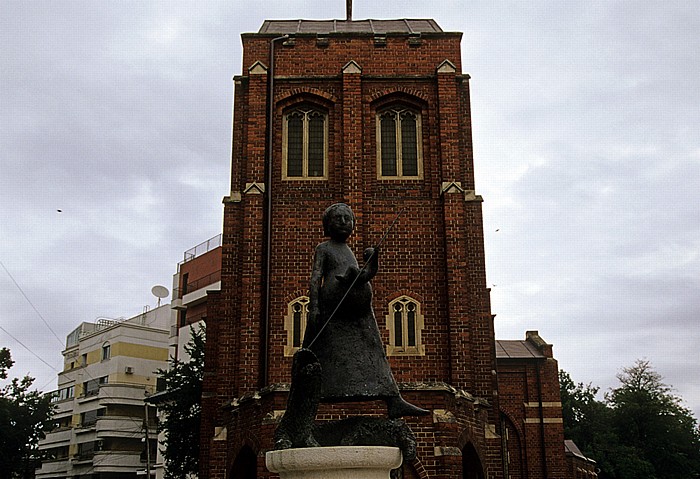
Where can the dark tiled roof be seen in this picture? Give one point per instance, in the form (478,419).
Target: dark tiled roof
(350,26)
(571,447)
(514,349)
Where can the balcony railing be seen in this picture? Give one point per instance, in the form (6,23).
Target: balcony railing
(198,283)
(53,467)
(56,437)
(104,460)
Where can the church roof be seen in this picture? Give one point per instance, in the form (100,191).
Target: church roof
(350,26)
(515,349)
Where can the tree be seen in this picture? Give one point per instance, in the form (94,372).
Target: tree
(24,416)
(640,429)
(180,409)
(587,422)
(655,422)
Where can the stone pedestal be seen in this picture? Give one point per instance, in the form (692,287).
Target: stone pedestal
(341,462)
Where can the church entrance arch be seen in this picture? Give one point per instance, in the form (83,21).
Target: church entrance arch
(245,466)
(471,464)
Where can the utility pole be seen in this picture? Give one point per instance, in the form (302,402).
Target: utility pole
(348,10)
(148,443)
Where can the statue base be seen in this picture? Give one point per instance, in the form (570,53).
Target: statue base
(337,462)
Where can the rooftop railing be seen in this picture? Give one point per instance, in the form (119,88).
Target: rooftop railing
(201,248)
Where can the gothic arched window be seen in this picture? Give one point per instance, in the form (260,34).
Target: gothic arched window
(295,324)
(305,144)
(399,149)
(405,324)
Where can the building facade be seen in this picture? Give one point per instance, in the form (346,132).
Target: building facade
(376,114)
(101,420)
(198,273)
(530,407)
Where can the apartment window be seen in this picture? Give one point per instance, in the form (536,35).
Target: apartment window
(305,144)
(86,450)
(405,324)
(106,351)
(63,394)
(185,283)
(92,387)
(295,324)
(89,418)
(57,453)
(399,143)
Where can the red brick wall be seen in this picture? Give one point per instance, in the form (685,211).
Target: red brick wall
(523,385)
(435,253)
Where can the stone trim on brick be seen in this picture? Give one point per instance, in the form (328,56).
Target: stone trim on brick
(546,420)
(377,94)
(556,404)
(257,68)
(447,451)
(451,187)
(446,67)
(254,188)
(303,91)
(352,67)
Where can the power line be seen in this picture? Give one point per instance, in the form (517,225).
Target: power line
(25,347)
(32,305)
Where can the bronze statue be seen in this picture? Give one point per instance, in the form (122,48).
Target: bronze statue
(348,346)
(342,357)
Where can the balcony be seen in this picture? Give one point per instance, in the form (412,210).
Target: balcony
(53,468)
(84,429)
(117,461)
(118,393)
(194,286)
(58,437)
(63,408)
(125,426)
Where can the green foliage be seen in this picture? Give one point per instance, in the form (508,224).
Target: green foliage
(640,430)
(654,422)
(181,408)
(6,362)
(24,416)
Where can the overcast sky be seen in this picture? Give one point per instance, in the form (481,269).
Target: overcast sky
(587,148)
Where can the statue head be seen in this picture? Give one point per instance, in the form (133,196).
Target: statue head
(338,220)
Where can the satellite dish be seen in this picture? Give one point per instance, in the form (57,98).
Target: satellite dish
(160,292)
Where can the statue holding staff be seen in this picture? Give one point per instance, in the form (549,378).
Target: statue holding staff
(341,329)
(342,357)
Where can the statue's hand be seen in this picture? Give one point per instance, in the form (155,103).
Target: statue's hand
(370,253)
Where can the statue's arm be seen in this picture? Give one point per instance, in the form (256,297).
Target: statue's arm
(371,257)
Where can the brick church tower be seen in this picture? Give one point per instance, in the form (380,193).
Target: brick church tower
(376,114)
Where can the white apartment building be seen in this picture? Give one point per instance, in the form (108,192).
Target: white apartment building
(109,368)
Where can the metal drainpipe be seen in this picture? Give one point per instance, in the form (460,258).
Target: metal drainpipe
(268,211)
(542,434)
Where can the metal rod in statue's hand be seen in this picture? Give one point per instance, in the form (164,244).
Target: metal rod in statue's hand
(364,266)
